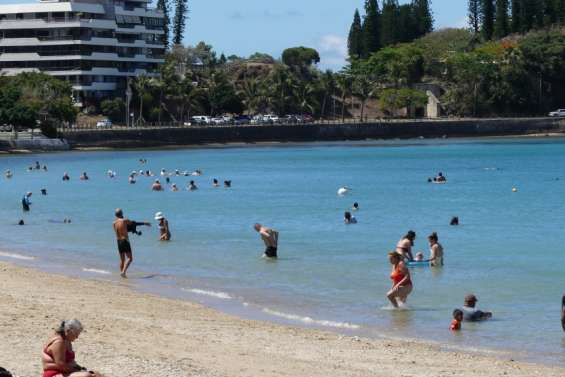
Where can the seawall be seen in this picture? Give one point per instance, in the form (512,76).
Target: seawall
(194,135)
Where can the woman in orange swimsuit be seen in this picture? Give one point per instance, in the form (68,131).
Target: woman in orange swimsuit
(58,357)
(401,283)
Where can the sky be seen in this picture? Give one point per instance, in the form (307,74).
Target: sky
(243,27)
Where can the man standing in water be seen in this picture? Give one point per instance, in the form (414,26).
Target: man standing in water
(121,227)
(271,239)
(26,202)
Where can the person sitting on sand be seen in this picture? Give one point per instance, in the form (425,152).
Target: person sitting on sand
(348,219)
(58,357)
(436,251)
(404,246)
(84,177)
(401,282)
(192,186)
(271,239)
(164,232)
(66,177)
(157,186)
(26,202)
(457,319)
(472,314)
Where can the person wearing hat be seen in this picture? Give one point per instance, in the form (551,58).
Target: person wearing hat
(472,314)
(164,232)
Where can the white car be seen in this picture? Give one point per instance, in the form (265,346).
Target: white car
(270,118)
(201,119)
(557,113)
(217,120)
(104,123)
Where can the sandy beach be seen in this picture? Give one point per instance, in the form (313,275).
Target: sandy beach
(132,334)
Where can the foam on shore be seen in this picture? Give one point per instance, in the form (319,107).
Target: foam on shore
(96,271)
(220,295)
(311,321)
(16,256)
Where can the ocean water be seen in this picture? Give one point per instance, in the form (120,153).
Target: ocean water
(509,249)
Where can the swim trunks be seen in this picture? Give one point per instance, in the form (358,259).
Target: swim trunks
(124,246)
(271,252)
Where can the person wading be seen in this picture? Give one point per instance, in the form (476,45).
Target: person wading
(271,239)
(121,227)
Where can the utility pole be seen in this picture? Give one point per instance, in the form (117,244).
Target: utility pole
(128,100)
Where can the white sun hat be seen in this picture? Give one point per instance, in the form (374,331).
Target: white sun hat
(159,216)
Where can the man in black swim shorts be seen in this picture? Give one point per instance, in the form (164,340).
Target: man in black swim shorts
(271,239)
(121,227)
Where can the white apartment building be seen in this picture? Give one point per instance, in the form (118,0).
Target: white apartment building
(94,44)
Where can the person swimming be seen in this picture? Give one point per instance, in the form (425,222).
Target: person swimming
(215,183)
(174,187)
(419,257)
(66,177)
(454,221)
(43,191)
(84,177)
(157,186)
(348,219)
(131,179)
(26,202)
(192,186)
(21,222)
(227,184)
(8,174)
(167,180)
(355,207)
(37,166)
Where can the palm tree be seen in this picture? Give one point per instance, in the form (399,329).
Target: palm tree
(283,85)
(306,98)
(327,84)
(250,92)
(363,88)
(344,84)
(140,84)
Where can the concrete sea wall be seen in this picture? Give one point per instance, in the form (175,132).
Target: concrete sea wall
(194,135)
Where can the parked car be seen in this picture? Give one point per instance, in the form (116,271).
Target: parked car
(6,128)
(217,121)
(270,118)
(241,119)
(201,119)
(557,113)
(307,118)
(104,123)
(257,119)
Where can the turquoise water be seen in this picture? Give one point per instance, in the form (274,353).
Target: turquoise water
(508,249)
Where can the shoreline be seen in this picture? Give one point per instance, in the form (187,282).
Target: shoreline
(131,333)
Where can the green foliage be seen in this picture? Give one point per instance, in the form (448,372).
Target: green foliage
(179,22)
(516,18)
(501,25)
(114,109)
(259,57)
(403,65)
(300,56)
(393,100)
(389,22)
(48,128)
(355,38)
(423,16)
(487,19)
(163,6)
(371,28)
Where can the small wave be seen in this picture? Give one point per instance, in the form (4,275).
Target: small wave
(95,271)
(16,256)
(220,295)
(308,320)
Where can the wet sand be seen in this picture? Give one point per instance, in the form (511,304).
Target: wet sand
(133,334)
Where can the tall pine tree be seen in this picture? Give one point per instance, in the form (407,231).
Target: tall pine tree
(560,12)
(179,23)
(407,27)
(371,28)
(423,16)
(501,27)
(163,6)
(355,39)
(487,19)
(527,14)
(389,22)
(474,15)
(516,19)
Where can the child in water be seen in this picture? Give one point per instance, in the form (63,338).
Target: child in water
(419,257)
(457,319)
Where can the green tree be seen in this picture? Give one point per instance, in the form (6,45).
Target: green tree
(516,18)
(363,89)
(306,97)
(253,96)
(114,109)
(400,66)
(222,96)
(487,19)
(407,24)
(389,22)
(501,26)
(179,22)
(141,84)
(282,85)
(371,28)
(345,86)
(328,87)
(163,6)
(528,11)
(474,14)
(423,16)
(393,100)
(300,56)
(355,38)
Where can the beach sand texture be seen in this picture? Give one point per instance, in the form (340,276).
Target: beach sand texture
(132,334)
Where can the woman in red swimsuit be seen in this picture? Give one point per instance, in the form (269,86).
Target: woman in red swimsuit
(401,283)
(58,358)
